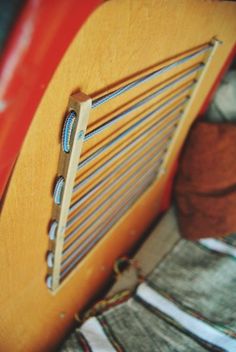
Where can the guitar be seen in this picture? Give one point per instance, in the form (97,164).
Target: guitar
(103,110)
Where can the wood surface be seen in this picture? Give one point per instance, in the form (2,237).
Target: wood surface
(120,39)
(81,105)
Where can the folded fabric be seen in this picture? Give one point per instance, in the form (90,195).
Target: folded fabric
(185,304)
(205,187)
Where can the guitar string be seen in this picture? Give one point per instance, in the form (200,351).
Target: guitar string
(134,126)
(113,172)
(142,102)
(128,201)
(152,144)
(105,180)
(168,135)
(105,98)
(117,155)
(149,160)
(153,162)
(106,205)
(108,225)
(168,86)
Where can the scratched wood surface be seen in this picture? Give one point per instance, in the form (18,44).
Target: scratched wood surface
(120,39)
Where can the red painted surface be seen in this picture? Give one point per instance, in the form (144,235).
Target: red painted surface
(38,42)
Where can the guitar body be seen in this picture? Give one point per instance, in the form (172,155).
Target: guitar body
(119,39)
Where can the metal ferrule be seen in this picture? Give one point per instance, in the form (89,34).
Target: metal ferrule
(50,259)
(58,190)
(52,230)
(49,281)
(67,131)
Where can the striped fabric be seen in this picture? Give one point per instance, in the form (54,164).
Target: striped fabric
(201,281)
(219,246)
(186,304)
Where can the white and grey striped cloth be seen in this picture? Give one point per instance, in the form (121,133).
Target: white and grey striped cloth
(188,303)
